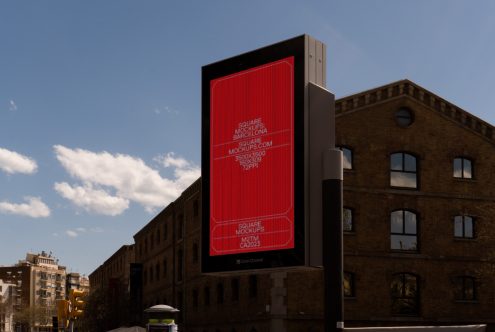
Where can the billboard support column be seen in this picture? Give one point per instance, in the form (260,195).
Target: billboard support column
(332,240)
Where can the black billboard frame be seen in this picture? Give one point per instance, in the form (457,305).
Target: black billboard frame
(298,256)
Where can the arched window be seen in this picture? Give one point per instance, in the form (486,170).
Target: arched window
(403,170)
(404,290)
(403,230)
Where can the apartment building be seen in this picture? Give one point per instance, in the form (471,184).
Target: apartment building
(40,281)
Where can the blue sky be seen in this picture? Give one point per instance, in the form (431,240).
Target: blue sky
(100,100)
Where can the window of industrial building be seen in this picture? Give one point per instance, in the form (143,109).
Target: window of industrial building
(157,272)
(404,290)
(463,168)
(151,274)
(347,155)
(145,277)
(253,286)
(220,293)
(403,170)
(403,230)
(165,231)
(347,218)
(158,236)
(464,227)
(234,284)
(404,117)
(349,284)
(465,288)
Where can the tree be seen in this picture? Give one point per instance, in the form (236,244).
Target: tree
(106,309)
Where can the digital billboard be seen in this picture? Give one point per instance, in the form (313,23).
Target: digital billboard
(253,152)
(252,159)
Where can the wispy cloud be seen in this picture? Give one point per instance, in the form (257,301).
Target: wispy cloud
(12,106)
(34,208)
(71,233)
(12,162)
(109,182)
(165,110)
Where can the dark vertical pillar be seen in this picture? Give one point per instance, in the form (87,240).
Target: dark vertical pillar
(332,240)
(54,323)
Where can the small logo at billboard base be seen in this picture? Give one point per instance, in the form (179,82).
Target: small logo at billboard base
(249,261)
(251,147)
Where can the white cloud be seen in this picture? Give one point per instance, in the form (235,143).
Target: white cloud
(12,106)
(12,162)
(169,160)
(34,208)
(79,231)
(128,178)
(96,230)
(92,200)
(71,233)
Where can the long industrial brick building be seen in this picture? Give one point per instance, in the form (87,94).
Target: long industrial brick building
(419,231)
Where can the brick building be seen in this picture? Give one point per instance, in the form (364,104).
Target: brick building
(419,204)
(115,270)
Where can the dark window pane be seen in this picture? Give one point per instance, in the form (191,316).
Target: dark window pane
(348,284)
(403,117)
(404,292)
(396,162)
(458,226)
(347,162)
(465,288)
(467,171)
(458,168)
(396,222)
(410,223)
(409,163)
(347,220)
(468,227)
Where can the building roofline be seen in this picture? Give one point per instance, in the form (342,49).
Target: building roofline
(409,89)
(186,193)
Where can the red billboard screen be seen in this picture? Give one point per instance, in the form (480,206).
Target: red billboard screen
(251,168)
